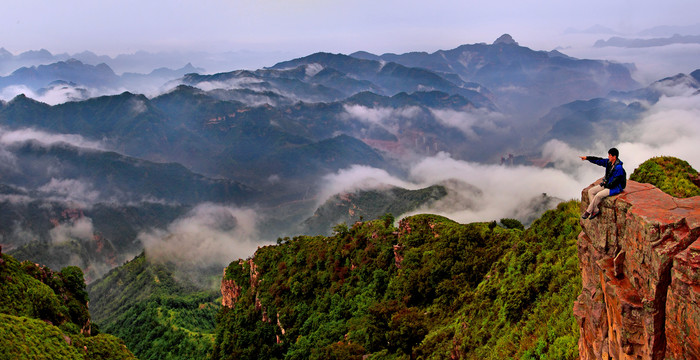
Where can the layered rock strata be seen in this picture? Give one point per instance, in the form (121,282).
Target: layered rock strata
(640,266)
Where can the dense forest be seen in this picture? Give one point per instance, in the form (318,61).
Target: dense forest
(430,288)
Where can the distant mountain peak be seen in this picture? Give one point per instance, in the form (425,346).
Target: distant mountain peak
(5,54)
(365,55)
(505,39)
(189,67)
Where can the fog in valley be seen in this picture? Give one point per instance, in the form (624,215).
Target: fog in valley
(480,186)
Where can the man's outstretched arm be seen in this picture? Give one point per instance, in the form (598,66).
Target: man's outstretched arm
(596,160)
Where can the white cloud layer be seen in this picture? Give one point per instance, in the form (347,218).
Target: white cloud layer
(496,191)
(506,190)
(671,127)
(469,122)
(387,118)
(80,229)
(9,137)
(52,96)
(359,177)
(209,234)
(70,190)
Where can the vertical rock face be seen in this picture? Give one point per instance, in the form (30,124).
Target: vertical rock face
(230,291)
(640,265)
(683,306)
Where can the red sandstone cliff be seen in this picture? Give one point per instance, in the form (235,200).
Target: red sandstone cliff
(640,265)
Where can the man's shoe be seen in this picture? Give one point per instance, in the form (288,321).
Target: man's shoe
(585,215)
(594,215)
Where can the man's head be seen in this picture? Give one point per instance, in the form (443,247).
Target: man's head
(613,154)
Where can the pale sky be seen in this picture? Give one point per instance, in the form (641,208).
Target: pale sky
(111,27)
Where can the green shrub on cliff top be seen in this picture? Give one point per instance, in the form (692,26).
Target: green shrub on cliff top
(671,175)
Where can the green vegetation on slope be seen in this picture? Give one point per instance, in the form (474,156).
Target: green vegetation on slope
(27,338)
(43,314)
(671,175)
(430,289)
(158,313)
(523,308)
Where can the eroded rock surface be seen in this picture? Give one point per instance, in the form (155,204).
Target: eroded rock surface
(640,264)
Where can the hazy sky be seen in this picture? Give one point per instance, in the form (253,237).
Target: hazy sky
(304,26)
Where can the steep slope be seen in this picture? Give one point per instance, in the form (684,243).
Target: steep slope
(155,309)
(44,314)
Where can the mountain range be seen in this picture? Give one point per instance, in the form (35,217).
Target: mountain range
(267,138)
(77,81)
(143,62)
(507,69)
(580,122)
(617,41)
(333,146)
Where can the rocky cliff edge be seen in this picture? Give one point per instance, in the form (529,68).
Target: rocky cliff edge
(640,265)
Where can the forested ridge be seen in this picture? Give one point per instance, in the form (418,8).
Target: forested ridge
(430,288)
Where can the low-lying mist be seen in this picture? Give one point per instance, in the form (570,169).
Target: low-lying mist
(671,127)
(216,234)
(209,234)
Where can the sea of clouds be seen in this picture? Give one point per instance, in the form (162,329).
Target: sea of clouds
(212,233)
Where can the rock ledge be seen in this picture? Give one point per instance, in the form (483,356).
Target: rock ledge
(640,267)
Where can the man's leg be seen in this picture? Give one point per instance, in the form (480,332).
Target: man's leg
(595,195)
(592,191)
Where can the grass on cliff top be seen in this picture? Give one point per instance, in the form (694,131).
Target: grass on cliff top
(671,175)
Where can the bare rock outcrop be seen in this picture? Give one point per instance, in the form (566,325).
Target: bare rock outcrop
(640,267)
(230,291)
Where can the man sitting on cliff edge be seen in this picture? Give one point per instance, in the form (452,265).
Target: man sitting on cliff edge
(613,183)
